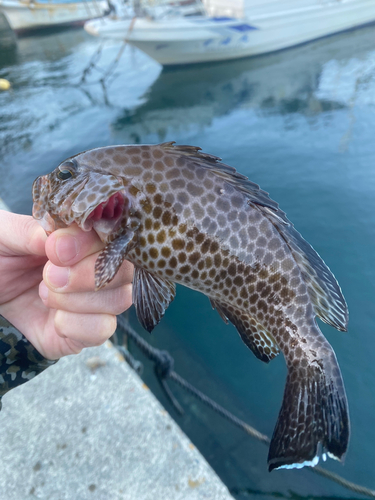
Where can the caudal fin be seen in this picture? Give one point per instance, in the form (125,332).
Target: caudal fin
(313,420)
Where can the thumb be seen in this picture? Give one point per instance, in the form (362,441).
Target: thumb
(21,235)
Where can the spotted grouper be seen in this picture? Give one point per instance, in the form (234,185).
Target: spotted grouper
(181,216)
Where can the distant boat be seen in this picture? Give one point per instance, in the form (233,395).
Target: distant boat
(231,30)
(24,15)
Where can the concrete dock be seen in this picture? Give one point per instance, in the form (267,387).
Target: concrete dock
(88,428)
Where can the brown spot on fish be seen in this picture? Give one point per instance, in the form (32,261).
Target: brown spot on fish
(150,188)
(161,236)
(146,164)
(167,218)
(166,252)
(190,246)
(178,244)
(181,257)
(238,280)
(159,165)
(168,161)
(173,262)
(157,153)
(133,191)
(154,253)
(158,199)
(158,212)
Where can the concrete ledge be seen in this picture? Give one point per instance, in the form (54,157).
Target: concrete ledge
(88,428)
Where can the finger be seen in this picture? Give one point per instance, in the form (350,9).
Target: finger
(89,329)
(81,276)
(113,302)
(21,235)
(70,245)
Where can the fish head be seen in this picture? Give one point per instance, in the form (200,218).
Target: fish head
(75,192)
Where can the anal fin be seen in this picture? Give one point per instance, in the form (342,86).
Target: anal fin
(253,334)
(216,305)
(151,297)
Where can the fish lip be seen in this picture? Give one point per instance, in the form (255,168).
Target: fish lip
(38,193)
(40,189)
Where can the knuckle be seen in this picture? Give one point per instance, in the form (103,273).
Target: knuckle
(60,323)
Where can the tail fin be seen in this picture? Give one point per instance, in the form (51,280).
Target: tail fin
(313,419)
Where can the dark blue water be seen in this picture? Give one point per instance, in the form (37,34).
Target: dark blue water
(301,124)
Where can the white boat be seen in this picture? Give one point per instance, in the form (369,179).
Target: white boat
(261,26)
(24,15)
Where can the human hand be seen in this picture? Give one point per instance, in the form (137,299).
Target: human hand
(61,314)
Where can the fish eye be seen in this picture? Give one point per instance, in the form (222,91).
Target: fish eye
(66,170)
(64,174)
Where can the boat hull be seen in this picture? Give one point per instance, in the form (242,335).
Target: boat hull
(197,40)
(23,15)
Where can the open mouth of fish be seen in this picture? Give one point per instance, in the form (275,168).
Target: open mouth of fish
(110,209)
(107,216)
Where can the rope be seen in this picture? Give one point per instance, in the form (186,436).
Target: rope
(219,409)
(357,488)
(164,364)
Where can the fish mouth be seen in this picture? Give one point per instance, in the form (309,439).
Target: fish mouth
(110,209)
(106,217)
(41,190)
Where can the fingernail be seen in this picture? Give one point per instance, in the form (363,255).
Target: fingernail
(66,248)
(43,291)
(57,277)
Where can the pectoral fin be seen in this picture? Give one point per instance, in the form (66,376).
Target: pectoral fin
(151,297)
(257,338)
(111,258)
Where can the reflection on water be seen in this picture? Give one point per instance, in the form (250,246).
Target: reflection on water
(48,105)
(8,41)
(306,81)
(46,71)
(300,123)
(348,81)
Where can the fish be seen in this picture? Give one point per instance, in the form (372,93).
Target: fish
(182,216)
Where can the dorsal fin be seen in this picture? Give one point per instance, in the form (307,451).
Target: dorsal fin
(324,291)
(257,338)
